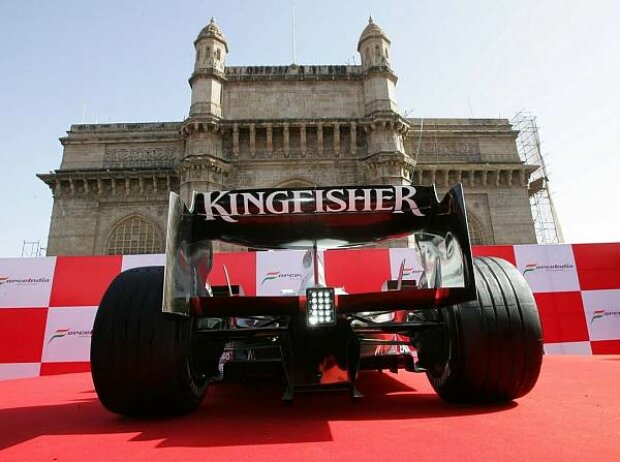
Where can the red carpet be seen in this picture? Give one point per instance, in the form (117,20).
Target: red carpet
(573,414)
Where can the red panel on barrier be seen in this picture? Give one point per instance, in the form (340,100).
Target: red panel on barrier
(81,281)
(241,270)
(598,265)
(502,251)
(605,347)
(64,368)
(562,317)
(21,334)
(363,270)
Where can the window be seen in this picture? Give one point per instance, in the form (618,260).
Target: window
(135,235)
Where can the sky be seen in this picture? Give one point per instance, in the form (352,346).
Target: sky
(69,62)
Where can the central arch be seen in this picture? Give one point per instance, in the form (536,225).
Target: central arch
(135,234)
(296,183)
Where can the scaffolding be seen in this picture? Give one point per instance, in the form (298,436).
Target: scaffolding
(33,249)
(546,223)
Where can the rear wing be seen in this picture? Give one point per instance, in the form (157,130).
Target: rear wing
(318,218)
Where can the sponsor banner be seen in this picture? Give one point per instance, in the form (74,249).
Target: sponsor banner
(568,348)
(68,333)
(576,321)
(284,272)
(137,261)
(26,282)
(602,309)
(19,370)
(548,268)
(82,281)
(409,260)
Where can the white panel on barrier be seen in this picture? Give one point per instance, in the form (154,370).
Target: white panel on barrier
(26,282)
(413,266)
(67,334)
(136,261)
(568,348)
(602,310)
(548,268)
(280,272)
(19,370)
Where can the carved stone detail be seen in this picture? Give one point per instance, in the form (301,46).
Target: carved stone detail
(449,147)
(144,156)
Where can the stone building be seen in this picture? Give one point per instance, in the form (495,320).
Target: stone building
(268,126)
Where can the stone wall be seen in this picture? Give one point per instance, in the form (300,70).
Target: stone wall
(316,172)
(86,210)
(258,100)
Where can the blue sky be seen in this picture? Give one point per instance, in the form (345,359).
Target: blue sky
(64,62)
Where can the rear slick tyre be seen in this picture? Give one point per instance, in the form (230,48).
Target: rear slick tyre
(495,345)
(140,357)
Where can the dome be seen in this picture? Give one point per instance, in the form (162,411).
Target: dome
(212,30)
(371,31)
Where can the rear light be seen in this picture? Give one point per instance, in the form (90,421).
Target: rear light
(320,306)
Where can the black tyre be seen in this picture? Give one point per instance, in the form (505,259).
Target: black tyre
(140,357)
(495,343)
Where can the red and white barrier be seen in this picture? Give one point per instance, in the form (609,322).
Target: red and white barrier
(47,305)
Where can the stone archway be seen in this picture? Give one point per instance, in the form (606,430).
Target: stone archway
(477,234)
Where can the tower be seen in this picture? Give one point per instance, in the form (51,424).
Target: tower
(387,161)
(203,167)
(380,83)
(207,79)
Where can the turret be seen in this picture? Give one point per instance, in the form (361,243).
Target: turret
(203,167)
(380,81)
(374,46)
(206,81)
(387,162)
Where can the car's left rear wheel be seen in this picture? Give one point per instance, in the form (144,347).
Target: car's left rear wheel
(141,358)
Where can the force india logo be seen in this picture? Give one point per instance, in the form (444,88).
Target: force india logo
(62,333)
(272,275)
(410,272)
(229,205)
(22,281)
(532,267)
(598,314)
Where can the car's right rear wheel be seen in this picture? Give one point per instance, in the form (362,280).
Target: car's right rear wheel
(495,345)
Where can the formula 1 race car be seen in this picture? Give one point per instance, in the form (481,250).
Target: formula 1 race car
(162,334)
